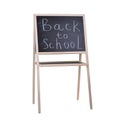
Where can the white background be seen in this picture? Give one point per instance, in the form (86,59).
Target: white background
(59,85)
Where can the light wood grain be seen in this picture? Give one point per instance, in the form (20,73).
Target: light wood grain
(61,63)
(88,70)
(59,14)
(37,57)
(79,73)
(51,53)
(33,68)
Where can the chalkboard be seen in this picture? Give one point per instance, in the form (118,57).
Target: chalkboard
(60,33)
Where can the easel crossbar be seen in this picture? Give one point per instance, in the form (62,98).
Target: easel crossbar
(61,63)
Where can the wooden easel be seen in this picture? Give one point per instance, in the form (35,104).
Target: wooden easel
(79,63)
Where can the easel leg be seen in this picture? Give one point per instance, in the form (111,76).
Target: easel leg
(79,72)
(33,79)
(38,86)
(37,60)
(33,72)
(89,87)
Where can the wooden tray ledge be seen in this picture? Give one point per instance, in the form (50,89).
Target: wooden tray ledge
(61,63)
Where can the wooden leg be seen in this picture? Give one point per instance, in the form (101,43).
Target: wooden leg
(33,71)
(89,87)
(33,78)
(38,86)
(79,72)
(37,60)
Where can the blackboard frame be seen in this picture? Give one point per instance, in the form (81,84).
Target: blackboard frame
(67,52)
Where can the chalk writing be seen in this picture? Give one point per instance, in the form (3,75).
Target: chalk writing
(61,45)
(60,33)
(48,27)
